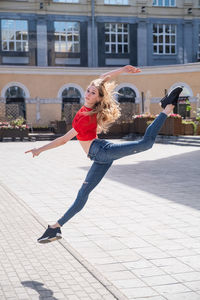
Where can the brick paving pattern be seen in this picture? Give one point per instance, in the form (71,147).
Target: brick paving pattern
(140,229)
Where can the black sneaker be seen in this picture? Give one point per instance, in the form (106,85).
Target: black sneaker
(50,235)
(172,98)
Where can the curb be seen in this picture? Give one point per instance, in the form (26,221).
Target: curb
(117,294)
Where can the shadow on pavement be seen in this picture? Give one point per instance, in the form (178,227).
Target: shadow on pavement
(175,178)
(43,292)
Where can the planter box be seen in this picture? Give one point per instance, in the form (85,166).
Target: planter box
(13,133)
(140,124)
(188,129)
(172,126)
(198,129)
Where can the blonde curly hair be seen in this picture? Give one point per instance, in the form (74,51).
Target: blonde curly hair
(107,109)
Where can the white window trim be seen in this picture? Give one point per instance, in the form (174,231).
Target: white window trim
(66,1)
(163,43)
(73,32)
(116,43)
(14,41)
(133,87)
(163,3)
(74,85)
(116,2)
(18,84)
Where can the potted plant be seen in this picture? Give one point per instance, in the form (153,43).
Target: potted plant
(15,128)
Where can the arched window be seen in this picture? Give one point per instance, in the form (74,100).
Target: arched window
(126,94)
(71,95)
(14,94)
(15,102)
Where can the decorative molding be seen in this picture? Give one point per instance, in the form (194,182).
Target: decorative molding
(132,86)
(78,87)
(23,87)
(171,69)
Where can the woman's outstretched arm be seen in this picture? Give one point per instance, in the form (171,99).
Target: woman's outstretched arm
(55,143)
(125,69)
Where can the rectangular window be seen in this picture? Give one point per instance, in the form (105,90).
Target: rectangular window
(14,35)
(67,37)
(117,38)
(116,2)
(66,1)
(166,3)
(164,39)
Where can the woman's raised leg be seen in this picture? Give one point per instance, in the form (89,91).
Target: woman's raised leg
(116,151)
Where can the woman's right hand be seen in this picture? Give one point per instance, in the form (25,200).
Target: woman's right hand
(35,152)
(131,69)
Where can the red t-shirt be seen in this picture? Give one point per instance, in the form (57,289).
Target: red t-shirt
(85,125)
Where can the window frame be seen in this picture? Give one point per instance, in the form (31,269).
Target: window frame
(116,2)
(164,44)
(156,3)
(116,34)
(73,42)
(66,1)
(15,41)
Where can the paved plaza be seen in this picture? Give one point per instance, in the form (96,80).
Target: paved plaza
(138,237)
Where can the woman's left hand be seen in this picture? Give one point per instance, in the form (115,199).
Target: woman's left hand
(131,69)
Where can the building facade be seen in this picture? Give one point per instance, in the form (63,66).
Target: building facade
(50,50)
(101,33)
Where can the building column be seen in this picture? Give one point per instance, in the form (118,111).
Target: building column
(142,43)
(92,46)
(42,59)
(188,41)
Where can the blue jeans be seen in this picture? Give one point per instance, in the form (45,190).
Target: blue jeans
(103,153)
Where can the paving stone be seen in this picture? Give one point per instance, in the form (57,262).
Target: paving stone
(133,228)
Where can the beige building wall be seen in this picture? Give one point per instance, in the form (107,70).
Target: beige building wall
(46,84)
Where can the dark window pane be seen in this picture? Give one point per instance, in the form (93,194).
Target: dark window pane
(173,49)
(167,29)
(113,38)
(167,49)
(167,39)
(119,48)
(155,39)
(155,49)
(120,38)
(125,27)
(173,39)
(113,49)
(160,49)
(161,39)
(107,48)
(154,28)
(125,48)
(160,28)
(126,38)
(107,37)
